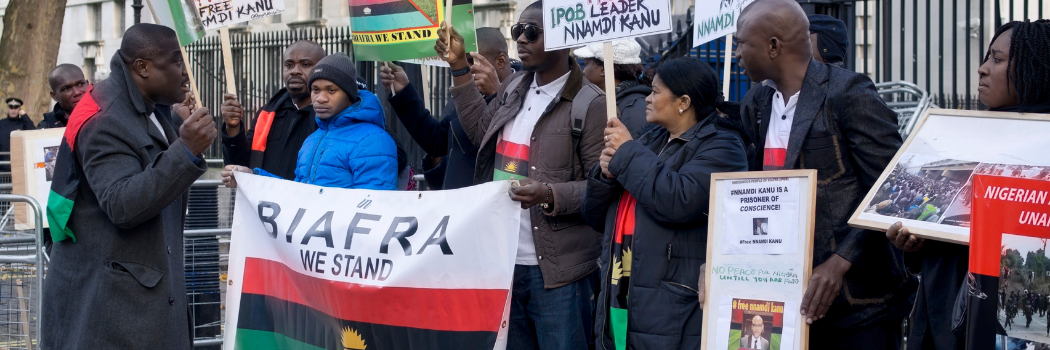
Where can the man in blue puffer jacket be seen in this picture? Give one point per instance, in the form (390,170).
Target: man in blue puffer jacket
(350,148)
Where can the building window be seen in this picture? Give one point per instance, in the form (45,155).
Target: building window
(118,14)
(95,11)
(89,68)
(275,18)
(316,9)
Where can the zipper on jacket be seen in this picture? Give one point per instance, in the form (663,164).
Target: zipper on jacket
(313,160)
(313,172)
(683,286)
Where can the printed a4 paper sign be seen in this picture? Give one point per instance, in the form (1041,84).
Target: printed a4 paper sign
(760,216)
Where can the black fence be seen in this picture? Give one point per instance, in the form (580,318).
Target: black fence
(257,62)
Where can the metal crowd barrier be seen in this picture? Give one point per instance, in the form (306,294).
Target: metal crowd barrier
(908,100)
(22,266)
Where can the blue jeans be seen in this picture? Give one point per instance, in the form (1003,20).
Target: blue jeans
(550,319)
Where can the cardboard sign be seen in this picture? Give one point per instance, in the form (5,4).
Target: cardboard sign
(759,259)
(574,23)
(220,13)
(392,30)
(714,19)
(33,155)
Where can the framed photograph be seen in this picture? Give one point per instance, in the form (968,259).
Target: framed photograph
(759,258)
(927,186)
(33,155)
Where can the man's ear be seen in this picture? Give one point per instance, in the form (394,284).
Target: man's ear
(501,61)
(53,96)
(142,67)
(775,45)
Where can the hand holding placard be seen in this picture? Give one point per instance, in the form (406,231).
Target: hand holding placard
(454,54)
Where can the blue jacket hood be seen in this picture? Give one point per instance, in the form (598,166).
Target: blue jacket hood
(366,110)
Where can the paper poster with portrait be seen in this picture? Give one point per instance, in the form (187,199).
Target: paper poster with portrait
(33,155)
(759,258)
(927,186)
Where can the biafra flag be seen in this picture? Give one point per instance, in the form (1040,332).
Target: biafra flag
(66,178)
(394,30)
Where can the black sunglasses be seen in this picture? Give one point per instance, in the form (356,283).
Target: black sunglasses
(532,31)
(13,106)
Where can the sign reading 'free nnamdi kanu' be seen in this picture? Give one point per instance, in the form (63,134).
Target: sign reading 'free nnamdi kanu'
(330,268)
(573,23)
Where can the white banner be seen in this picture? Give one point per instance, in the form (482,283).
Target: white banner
(311,266)
(221,13)
(713,19)
(574,23)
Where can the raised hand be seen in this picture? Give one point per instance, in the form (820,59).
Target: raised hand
(484,75)
(394,76)
(454,53)
(198,131)
(232,112)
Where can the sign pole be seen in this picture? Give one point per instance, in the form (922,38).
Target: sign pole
(610,80)
(227,60)
(728,65)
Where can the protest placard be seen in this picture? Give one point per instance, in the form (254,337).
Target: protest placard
(314,267)
(759,259)
(220,13)
(33,156)
(716,18)
(576,23)
(928,184)
(1007,278)
(395,30)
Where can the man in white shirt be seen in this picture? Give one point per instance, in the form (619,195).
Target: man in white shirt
(525,134)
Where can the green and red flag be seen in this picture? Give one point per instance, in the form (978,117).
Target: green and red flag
(66,178)
(395,30)
(181,16)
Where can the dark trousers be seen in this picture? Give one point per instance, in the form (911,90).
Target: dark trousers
(549,319)
(881,336)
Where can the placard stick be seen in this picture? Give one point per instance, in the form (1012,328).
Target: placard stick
(390,65)
(448,22)
(227,60)
(610,81)
(728,65)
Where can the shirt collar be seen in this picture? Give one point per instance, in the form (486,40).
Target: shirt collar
(552,88)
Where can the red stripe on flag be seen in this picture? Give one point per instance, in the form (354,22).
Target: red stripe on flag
(513,150)
(84,111)
(625,217)
(464,310)
(262,131)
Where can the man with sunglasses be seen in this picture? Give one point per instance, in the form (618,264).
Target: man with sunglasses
(526,133)
(16,120)
(68,86)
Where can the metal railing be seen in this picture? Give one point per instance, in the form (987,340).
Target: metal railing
(908,100)
(21,256)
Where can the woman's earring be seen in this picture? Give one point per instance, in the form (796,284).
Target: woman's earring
(680,111)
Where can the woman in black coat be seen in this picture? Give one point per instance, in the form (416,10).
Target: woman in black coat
(650,199)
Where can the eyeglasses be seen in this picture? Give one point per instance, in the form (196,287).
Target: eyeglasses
(532,31)
(13,106)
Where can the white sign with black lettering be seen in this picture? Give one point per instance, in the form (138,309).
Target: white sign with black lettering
(574,23)
(760,216)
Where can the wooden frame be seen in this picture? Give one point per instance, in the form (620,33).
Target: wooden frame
(717,290)
(978,153)
(28,165)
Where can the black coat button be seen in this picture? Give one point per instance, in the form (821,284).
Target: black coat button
(171,300)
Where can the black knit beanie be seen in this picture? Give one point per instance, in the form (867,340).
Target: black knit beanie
(339,69)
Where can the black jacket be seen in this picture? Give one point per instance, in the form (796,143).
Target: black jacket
(56,118)
(630,102)
(671,183)
(844,130)
(289,129)
(7,125)
(122,284)
(445,138)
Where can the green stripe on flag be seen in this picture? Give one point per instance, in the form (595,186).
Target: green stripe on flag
(263,340)
(502,175)
(184,27)
(618,323)
(59,209)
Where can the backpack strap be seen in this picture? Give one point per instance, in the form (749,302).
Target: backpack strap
(580,104)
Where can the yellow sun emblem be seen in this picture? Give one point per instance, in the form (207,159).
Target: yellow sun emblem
(621,268)
(512,167)
(352,340)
